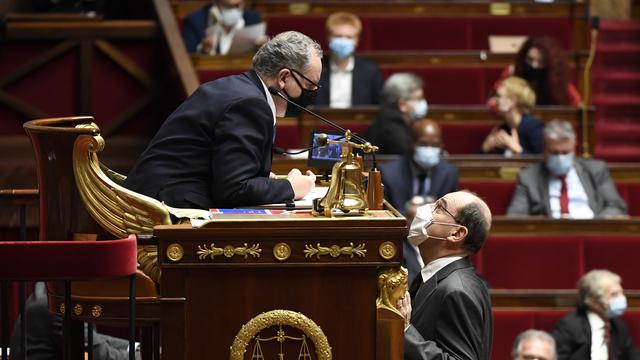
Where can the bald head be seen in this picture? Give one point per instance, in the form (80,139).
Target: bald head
(473,213)
(426,132)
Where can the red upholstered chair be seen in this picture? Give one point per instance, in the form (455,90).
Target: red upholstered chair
(496,193)
(73,260)
(616,253)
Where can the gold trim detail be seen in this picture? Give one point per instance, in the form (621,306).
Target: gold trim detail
(282,251)
(228,251)
(96,311)
(387,250)
(175,252)
(77,309)
(334,250)
(62,308)
(276,318)
(392,286)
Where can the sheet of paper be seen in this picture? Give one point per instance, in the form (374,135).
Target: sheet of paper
(245,38)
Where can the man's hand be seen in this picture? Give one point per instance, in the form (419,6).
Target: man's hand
(404,306)
(272,175)
(301,184)
(208,45)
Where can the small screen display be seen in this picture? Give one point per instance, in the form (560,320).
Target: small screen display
(325,156)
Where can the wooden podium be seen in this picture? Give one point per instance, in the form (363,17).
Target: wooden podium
(296,287)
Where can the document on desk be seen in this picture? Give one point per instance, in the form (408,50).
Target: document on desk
(304,203)
(244,40)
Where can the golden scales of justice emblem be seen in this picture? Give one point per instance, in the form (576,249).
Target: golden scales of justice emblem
(281,337)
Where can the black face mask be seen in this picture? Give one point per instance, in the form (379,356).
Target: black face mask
(307,97)
(529,73)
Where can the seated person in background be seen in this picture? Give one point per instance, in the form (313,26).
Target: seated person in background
(210,29)
(215,150)
(420,173)
(565,186)
(44,333)
(534,345)
(521,133)
(594,330)
(543,63)
(347,79)
(403,102)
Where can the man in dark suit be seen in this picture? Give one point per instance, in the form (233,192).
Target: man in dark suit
(450,314)
(215,149)
(210,29)
(347,79)
(422,172)
(594,330)
(565,186)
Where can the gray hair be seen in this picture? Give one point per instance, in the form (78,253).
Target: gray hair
(399,86)
(594,283)
(559,130)
(533,334)
(289,49)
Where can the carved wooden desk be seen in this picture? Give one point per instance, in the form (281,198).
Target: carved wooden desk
(322,272)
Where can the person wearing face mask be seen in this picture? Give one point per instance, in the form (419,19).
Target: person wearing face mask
(347,79)
(564,186)
(421,172)
(403,103)
(447,310)
(210,29)
(215,150)
(542,62)
(594,330)
(521,132)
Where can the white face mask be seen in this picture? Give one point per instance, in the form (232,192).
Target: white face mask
(426,156)
(418,232)
(420,109)
(231,16)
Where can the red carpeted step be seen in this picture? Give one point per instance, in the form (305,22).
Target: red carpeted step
(627,99)
(616,83)
(625,153)
(618,132)
(618,113)
(619,31)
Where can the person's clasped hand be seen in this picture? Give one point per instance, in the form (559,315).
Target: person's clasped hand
(301,184)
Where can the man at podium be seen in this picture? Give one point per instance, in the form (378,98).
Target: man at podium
(214,151)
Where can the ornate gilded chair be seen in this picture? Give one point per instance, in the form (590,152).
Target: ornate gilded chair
(67,212)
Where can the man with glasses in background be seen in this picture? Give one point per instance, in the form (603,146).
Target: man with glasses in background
(447,310)
(215,150)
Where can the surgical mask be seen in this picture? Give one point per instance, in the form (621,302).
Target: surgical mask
(418,232)
(306,98)
(617,306)
(420,109)
(426,156)
(230,17)
(559,165)
(342,47)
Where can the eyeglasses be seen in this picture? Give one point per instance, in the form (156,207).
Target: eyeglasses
(294,71)
(441,205)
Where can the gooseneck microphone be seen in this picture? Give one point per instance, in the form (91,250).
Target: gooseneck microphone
(277,92)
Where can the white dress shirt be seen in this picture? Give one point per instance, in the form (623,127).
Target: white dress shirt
(436,265)
(341,85)
(216,30)
(599,349)
(578,200)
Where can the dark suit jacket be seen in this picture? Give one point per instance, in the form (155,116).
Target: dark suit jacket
(214,150)
(398,178)
(573,338)
(531,196)
(366,83)
(195,25)
(451,316)
(389,132)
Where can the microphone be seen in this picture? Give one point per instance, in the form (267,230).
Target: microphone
(277,92)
